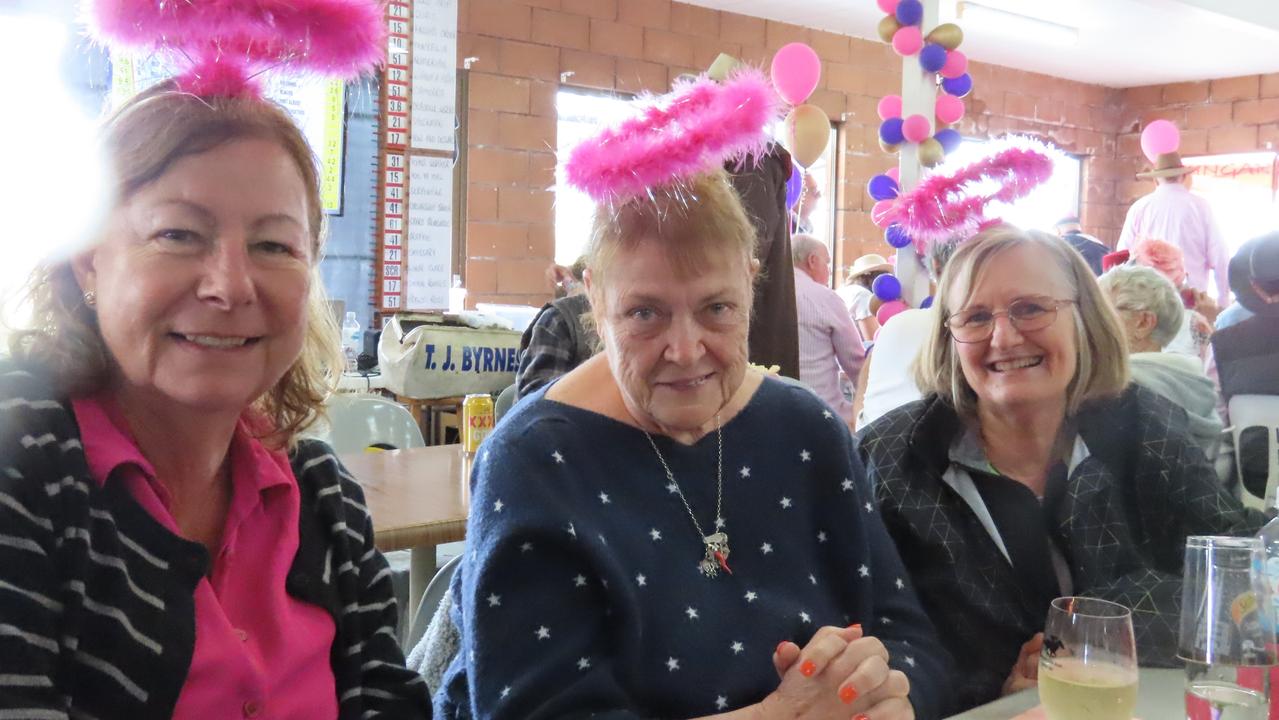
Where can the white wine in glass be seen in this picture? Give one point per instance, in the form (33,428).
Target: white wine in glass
(1088,667)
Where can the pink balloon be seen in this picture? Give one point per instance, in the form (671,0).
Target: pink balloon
(888,6)
(956,65)
(949,108)
(1160,137)
(879,213)
(890,106)
(895,174)
(796,70)
(908,40)
(916,128)
(888,310)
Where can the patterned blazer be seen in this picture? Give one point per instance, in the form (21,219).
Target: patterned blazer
(1121,526)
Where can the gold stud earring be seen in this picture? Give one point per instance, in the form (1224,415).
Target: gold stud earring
(90,298)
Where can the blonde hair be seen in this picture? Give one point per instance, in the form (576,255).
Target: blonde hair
(1102,355)
(693,221)
(141,141)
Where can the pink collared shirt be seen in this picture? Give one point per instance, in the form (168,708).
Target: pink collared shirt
(1174,214)
(259,652)
(828,342)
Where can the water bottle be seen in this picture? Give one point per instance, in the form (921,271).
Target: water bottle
(351,341)
(1269,536)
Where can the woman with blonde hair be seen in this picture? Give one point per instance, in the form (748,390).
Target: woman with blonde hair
(170,546)
(1032,469)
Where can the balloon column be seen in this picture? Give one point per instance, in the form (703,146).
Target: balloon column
(939,55)
(795,72)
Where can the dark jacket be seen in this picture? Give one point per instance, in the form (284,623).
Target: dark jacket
(556,342)
(774,334)
(97,614)
(1247,357)
(1120,523)
(1088,246)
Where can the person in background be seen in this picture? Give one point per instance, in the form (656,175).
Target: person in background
(890,382)
(172,547)
(565,281)
(1246,354)
(646,529)
(1150,311)
(857,295)
(1201,310)
(1033,469)
(802,212)
(1240,268)
(1175,214)
(1092,249)
(828,341)
(559,339)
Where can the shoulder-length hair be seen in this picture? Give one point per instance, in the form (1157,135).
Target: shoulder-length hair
(1102,355)
(140,142)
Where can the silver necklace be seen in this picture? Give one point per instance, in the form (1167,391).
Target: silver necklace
(717,542)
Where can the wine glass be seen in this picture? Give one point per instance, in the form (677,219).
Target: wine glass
(1088,667)
(1227,636)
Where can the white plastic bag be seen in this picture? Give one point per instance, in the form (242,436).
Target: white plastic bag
(436,361)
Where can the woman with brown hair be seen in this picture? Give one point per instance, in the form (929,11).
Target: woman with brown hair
(170,546)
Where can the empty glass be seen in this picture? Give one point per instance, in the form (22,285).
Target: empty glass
(1088,667)
(1227,639)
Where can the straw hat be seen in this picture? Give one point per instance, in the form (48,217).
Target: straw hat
(1167,165)
(869,263)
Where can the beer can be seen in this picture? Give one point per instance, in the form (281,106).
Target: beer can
(477,421)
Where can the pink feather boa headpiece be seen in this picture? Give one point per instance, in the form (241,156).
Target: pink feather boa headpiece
(225,44)
(699,126)
(948,205)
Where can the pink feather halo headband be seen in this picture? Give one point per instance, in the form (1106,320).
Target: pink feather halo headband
(946,205)
(698,126)
(226,43)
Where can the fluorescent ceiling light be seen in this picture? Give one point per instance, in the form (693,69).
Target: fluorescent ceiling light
(1013,24)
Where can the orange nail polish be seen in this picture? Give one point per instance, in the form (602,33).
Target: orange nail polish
(848,694)
(855,626)
(860,716)
(808,668)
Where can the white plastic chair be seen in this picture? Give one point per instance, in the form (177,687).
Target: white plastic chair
(1256,411)
(358,422)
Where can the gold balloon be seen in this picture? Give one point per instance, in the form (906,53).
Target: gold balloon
(807,134)
(931,153)
(890,149)
(948,35)
(888,27)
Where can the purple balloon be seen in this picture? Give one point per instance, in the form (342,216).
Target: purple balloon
(896,236)
(949,139)
(890,131)
(886,288)
(927,303)
(932,58)
(959,86)
(882,187)
(910,12)
(794,184)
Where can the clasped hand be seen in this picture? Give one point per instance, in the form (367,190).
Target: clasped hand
(838,674)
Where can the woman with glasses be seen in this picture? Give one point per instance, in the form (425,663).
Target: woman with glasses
(1033,469)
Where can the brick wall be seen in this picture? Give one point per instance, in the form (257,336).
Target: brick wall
(524,46)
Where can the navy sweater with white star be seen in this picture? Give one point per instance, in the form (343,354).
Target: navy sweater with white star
(580,595)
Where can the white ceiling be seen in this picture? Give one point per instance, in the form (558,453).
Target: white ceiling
(1122,43)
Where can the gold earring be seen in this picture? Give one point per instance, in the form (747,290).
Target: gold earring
(90,298)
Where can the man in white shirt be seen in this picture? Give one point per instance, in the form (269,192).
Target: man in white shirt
(828,341)
(1174,214)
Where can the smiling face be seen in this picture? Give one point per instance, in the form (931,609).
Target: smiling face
(202,279)
(676,345)
(1013,368)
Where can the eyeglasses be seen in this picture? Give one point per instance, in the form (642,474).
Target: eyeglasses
(1025,314)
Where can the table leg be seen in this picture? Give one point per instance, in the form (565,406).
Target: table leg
(421,570)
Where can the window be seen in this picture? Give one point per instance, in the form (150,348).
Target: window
(1055,199)
(1241,190)
(581,114)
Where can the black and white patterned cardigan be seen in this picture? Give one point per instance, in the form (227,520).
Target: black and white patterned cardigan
(97,615)
(1121,525)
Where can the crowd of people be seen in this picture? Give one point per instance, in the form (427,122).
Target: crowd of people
(725,491)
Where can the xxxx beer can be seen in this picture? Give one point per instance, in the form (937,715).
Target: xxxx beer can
(477,421)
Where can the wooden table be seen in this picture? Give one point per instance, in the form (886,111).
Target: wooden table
(1159,697)
(418,499)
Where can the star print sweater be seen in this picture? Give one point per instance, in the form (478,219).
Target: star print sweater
(581,594)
